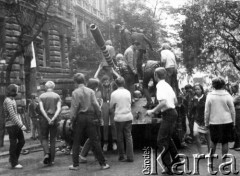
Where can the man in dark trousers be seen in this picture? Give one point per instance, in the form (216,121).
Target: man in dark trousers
(84,107)
(167,102)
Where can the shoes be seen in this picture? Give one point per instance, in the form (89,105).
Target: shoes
(82,159)
(73,167)
(105,147)
(105,166)
(19,166)
(114,146)
(237,149)
(121,158)
(46,159)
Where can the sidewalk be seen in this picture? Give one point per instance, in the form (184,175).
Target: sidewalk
(30,145)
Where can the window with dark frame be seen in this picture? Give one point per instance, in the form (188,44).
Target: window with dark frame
(46,58)
(62,53)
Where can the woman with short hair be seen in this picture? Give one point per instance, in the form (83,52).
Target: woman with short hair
(219,115)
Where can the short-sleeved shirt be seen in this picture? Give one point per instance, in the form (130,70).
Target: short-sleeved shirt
(50,100)
(165,92)
(168,57)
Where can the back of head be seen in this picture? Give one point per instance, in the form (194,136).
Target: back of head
(79,78)
(120,82)
(166,46)
(136,43)
(12,90)
(93,83)
(218,83)
(108,42)
(50,85)
(161,73)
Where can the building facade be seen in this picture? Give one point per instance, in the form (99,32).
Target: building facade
(70,21)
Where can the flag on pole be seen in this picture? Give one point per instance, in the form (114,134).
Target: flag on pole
(33,61)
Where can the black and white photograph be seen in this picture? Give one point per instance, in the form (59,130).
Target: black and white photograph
(119,87)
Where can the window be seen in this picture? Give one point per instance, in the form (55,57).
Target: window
(69,44)
(45,49)
(62,53)
(2,36)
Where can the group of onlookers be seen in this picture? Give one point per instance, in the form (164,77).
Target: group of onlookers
(212,117)
(91,105)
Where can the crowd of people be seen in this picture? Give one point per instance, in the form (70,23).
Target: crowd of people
(107,98)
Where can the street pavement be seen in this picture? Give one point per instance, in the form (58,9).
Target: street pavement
(32,163)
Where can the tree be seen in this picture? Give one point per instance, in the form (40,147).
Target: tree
(30,16)
(136,14)
(210,34)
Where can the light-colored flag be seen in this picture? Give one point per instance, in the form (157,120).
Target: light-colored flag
(33,61)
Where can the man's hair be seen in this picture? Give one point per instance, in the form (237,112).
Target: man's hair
(108,42)
(50,85)
(79,78)
(188,86)
(137,43)
(12,90)
(166,46)
(218,83)
(104,78)
(117,26)
(119,56)
(93,83)
(120,82)
(161,72)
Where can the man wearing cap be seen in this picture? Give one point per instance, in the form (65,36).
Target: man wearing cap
(50,107)
(83,112)
(167,102)
(168,61)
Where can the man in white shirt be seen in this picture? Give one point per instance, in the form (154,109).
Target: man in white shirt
(168,61)
(167,101)
(120,103)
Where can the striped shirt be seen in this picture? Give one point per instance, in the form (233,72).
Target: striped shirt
(10,112)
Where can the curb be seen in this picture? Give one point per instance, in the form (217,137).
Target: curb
(31,149)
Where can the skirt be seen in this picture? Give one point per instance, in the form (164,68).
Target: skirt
(221,133)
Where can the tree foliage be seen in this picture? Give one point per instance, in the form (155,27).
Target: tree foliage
(210,35)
